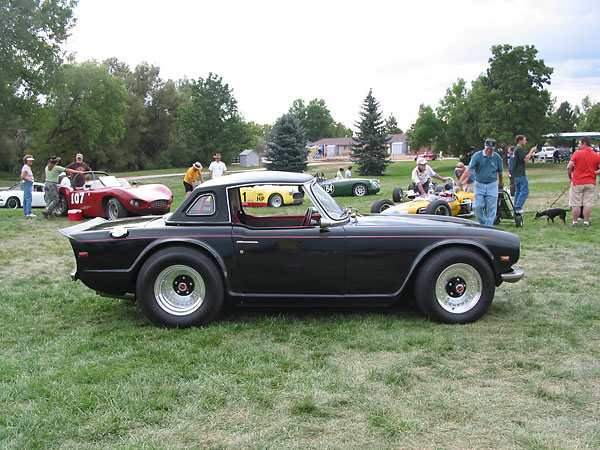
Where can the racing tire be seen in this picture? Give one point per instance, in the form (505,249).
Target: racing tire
(178,288)
(359,190)
(381,205)
(455,285)
(62,208)
(397,194)
(115,209)
(438,208)
(275,200)
(13,203)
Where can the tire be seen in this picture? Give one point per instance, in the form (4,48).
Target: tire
(518,220)
(455,285)
(275,200)
(179,287)
(359,190)
(115,209)
(438,208)
(397,194)
(381,205)
(13,203)
(62,208)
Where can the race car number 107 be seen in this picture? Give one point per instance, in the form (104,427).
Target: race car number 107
(76,198)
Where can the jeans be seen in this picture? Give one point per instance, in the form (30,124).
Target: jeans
(521,192)
(486,202)
(27,196)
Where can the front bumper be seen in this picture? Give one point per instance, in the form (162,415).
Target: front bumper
(514,275)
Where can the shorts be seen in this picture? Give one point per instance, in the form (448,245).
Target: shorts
(582,195)
(188,187)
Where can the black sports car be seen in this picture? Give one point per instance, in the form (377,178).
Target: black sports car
(183,266)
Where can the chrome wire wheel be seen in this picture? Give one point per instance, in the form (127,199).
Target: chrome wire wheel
(179,290)
(458,288)
(360,190)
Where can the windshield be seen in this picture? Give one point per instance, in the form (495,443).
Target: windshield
(333,210)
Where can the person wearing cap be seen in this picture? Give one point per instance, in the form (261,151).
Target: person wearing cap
(51,194)
(458,171)
(27,183)
(189,181)
(422,174)
(217,168)
(79,166)
(64,179)
(487,165)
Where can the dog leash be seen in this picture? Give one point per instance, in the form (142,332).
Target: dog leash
(561,194)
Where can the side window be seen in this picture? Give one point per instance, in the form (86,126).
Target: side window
(203,206)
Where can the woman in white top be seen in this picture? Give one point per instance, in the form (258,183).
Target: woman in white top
(27,184)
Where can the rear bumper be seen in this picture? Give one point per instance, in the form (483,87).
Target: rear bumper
(514,275)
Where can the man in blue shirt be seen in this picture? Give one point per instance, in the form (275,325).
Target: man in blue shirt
(487,165)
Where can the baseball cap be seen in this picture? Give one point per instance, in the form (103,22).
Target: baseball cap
(490,143)
(78,155)
(421,160)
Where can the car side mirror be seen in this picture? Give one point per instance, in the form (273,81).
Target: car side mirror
(324,224)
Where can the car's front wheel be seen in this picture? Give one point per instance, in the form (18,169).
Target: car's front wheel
(439,208)
(115,209)
(13,203)
(63,206)
(275,200)
(180,287)
(359,190)
(455,285)
(381,205)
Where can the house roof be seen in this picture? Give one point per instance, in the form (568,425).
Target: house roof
(396,138)
(247,152)
(333,141)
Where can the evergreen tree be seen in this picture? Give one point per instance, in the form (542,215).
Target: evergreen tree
(370,149)
(287,150)
(391,125)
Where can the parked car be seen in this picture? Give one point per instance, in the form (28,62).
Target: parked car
(12,197)
(345,187)
(546,154)
(269,195)
(183,266)
(429,156)
(445,200)
(104,195)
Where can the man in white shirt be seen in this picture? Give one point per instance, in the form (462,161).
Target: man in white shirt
(422,174)
(217,168)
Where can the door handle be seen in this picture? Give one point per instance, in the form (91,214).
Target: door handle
(246,242)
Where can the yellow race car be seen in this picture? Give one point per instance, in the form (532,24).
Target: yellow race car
(447,200)
(269,195)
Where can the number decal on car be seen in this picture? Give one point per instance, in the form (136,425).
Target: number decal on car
(77,198)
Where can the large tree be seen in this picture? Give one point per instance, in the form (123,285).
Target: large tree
(287,149)
(212,122)
(512,95)
(369,151)
(428,131)
(590,120)
(315,118)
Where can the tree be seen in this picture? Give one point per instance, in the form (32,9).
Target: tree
(564,119)
(590,120)
(287,149)
(391,125)
(212,123)
(511,96)
(427,131)
(370,149)
(340,130)
(85,112)
(314,117)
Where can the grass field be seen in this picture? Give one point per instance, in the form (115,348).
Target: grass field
(81,371)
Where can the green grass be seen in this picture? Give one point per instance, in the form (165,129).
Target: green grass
(81,371)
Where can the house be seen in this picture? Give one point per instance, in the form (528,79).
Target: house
(397,145)
(249,158)
(330,148)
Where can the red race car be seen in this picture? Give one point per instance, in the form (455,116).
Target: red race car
(429,156)
(102,195)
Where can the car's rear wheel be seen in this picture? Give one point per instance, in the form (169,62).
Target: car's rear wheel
(381,205)
(397,194)
(13,203)
(438,208)
(455,285)
(359,190)
(275,200)
(180,287)
(115,209)
(63,206)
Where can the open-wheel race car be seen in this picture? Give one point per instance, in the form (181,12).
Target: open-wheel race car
(183,267)
(104,195)
(446,200)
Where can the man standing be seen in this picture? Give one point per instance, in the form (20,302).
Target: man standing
(518,172)
(51,195)
(78,166)
(348,173)
(487,165)
(458,171)
(422,174)
(582,170)
(217,168)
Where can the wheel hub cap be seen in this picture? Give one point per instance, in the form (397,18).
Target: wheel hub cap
(179,290)
(458,288)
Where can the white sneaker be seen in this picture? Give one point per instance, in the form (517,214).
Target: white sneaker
(31,215)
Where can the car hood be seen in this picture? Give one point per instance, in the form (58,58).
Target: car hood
(149,192)
(413,220)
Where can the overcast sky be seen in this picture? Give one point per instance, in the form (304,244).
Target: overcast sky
(409,52)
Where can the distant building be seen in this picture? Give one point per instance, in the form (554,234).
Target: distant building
(397,145)
(249,158)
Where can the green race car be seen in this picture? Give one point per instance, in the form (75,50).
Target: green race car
(345,187)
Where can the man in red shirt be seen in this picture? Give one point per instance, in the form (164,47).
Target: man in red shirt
(582,171)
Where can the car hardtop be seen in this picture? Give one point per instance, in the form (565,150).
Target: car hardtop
(218,188)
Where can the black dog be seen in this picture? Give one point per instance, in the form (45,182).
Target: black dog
(552,213)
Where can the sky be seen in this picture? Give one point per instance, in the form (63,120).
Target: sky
(272,52)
